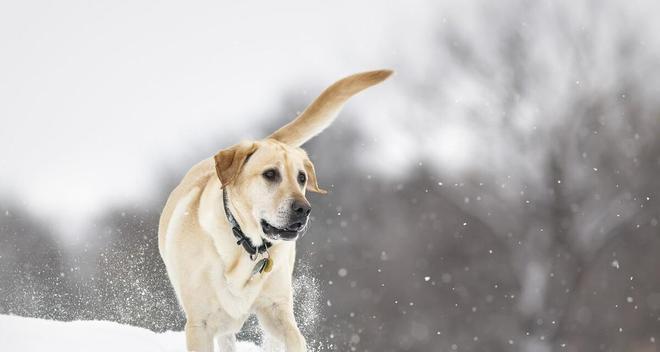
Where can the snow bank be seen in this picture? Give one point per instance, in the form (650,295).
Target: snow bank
(30,334)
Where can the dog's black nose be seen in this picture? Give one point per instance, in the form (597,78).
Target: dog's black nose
(301,207)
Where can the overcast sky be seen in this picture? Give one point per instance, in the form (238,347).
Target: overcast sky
(96,95)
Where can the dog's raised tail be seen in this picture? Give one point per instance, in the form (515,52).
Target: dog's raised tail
(322,111)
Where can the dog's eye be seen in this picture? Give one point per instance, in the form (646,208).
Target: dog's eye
(302,178)
(271,175)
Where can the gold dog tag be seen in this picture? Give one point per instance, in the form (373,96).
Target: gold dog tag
(263,265)
(269,265)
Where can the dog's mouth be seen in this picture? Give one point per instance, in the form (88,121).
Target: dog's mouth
(275,233)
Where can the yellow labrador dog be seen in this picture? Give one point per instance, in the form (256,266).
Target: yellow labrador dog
(227,232)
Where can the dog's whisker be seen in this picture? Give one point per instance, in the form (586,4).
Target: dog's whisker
(304,229)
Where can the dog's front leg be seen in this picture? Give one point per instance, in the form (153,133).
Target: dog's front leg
(198,337)
(227,343)
(278,321)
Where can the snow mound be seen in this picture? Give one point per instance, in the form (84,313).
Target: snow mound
(30,334)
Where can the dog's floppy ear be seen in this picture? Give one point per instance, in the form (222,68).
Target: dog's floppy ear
(312,184)
(230,161)
(320,113)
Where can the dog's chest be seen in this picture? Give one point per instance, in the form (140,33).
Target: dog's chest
(236,293)
(246,280)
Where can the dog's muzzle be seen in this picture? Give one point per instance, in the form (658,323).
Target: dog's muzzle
(297,219)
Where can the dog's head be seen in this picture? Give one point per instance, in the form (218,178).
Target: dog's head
(266,180)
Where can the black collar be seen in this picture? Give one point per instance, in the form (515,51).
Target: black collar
(238,233)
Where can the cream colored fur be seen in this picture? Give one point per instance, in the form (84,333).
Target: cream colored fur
(210,274)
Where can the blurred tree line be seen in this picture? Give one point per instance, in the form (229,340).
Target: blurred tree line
(414,264)
(549,241)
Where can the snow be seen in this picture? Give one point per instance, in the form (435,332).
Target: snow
(30,334)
